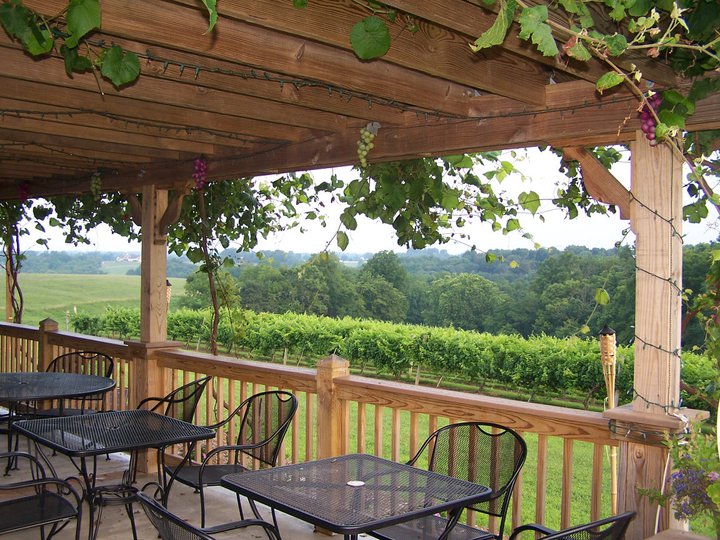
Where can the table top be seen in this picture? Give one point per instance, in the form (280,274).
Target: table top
(30,386)
(355,493)
(107,432)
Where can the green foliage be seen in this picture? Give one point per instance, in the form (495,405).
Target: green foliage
(370,38)
(495,35)
(533,26)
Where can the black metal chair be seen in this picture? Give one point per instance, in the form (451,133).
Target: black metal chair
(171,527)
(180,404)
(484,453)
(262,422)
(86,363)
(41,501)
(612,528)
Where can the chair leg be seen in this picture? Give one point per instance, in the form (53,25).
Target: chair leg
(202,507)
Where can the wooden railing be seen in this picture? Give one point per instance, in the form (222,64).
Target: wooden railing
(567,465)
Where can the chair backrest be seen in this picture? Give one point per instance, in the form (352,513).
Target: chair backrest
(83,362)
(484,453)
(265,418)
(181,402)
(168,525)
(612,528)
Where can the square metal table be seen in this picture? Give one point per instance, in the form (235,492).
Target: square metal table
(87,436)
(28,386)
(356,493)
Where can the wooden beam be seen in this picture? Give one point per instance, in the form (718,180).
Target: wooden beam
(183,28)
(599,182)
(444,51)
(88,98)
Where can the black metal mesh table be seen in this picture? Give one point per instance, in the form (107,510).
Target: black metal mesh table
(355,493)
(92,435)
(34,386)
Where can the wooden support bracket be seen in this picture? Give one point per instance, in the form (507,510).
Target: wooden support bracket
(135,208)
(172,212)
(599,182)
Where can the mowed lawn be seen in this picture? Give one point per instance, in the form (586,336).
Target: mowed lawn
(61,296)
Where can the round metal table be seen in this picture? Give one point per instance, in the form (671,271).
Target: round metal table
(33,386)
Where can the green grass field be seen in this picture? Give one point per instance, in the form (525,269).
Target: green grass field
(60,296)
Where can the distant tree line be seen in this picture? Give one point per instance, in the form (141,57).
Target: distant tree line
(524,292)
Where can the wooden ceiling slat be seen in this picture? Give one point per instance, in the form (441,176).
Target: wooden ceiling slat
(175,26)
(121,106)
(71,143)
(330,22)
(183,94)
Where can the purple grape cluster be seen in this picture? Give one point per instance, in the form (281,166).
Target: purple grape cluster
(648,119)
(199,174)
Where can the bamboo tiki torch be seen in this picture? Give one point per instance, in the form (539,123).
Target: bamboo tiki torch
(609,363)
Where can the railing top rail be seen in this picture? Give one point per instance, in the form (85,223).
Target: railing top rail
(24,331)
(529,417)
(111,347)
(299,379)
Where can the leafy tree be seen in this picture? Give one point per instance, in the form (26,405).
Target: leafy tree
(465,301)
(265,288)
(197,291)
(330,287)
(386,265)
(382,300)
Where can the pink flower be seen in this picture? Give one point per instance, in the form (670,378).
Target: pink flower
(713,476)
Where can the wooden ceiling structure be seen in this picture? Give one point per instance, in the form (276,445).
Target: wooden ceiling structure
(275,89)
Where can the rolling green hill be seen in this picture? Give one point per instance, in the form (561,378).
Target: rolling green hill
(59,296)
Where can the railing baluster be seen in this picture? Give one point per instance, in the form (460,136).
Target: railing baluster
(567,471)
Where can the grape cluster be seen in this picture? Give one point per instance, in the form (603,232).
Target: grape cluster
(24,191)
(365,144)
(648,119)
(96,185)
(200,172)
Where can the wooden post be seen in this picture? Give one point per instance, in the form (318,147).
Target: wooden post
(148,379)
(45,350)
(656,219)
(331,420)
(153,268)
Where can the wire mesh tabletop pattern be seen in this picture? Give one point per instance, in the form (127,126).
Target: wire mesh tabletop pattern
(108,432)
(31,386)
(355,493)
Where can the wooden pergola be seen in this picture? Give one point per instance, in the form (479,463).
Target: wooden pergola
(277,89)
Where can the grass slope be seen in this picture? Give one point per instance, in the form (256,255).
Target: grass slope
(60,296)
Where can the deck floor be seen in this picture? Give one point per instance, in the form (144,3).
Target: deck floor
(183,501)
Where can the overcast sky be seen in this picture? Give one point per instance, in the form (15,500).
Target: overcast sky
(371,237)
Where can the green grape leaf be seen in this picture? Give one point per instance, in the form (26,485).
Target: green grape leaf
(609,80)
(578,51)
(490,257)
(695,212)
(370,38)
(514,264)
(37,41)
(512,225)
(495,35)
(450,199)
(211,6)
(83,16)
(529,201)
(73,61)
(533,27)
(342,240)
(661,131)
(120,66)
(640,7)
(601,297)
(616,44)
(584,329)
(348,220)
(671,118)
(15,19)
